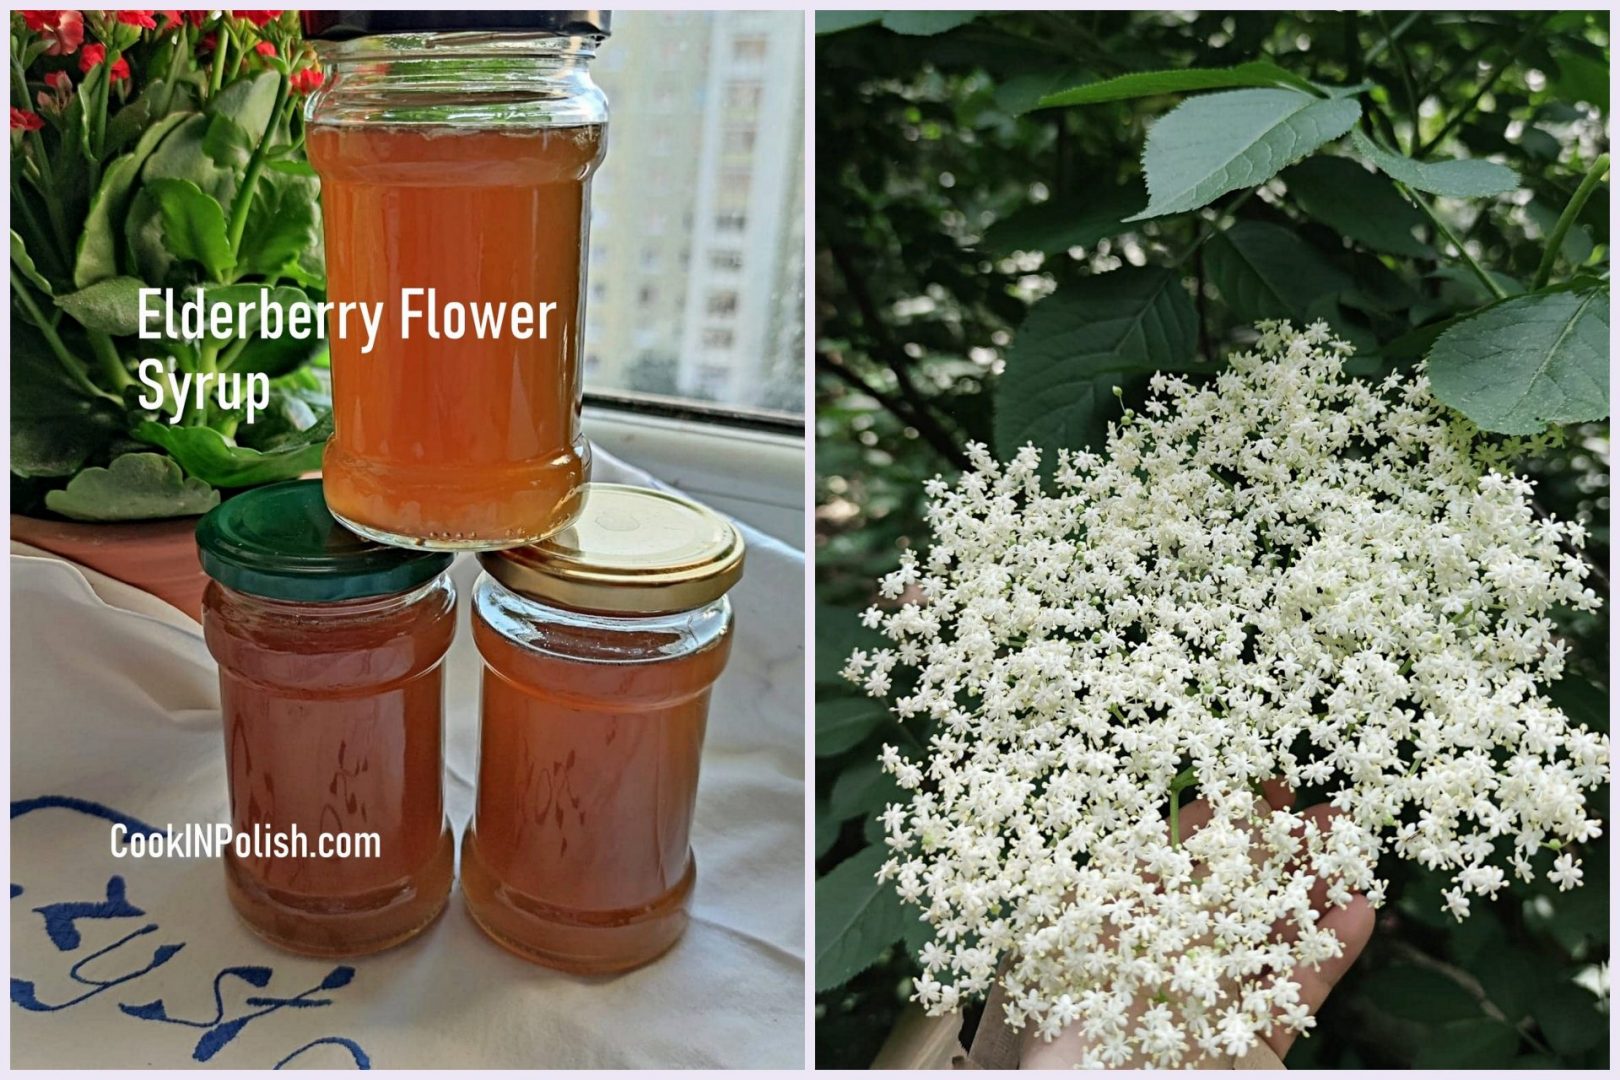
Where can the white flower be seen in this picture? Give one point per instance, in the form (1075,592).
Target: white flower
(1281,573)
(1566,872)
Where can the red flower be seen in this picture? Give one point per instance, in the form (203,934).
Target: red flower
(23,120)
(257,18)
(97,54)
(207,42)
(64,28)
(197,17)
(58,80)
(306,80)
(264,48)
(142,19)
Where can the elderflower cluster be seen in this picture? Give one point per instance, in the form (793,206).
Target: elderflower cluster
(1284,573)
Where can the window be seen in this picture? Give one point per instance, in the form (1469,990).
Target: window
(701,225)
(744,96)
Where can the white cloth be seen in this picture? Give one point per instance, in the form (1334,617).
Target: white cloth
(115,701)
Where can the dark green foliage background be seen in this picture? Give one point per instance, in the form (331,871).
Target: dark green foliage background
(937,185)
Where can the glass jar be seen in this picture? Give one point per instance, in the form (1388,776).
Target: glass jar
(455,152)
(600,648)
(330,651)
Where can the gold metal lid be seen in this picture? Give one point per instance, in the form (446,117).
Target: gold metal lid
(631,551)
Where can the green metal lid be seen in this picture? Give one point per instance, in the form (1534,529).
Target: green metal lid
(281,542)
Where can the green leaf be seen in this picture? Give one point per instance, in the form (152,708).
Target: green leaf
(112,306)
(1023,91)
(55,426)
(833,22)
(827,829)
(1078,344)
(841,723)
(1581,701)
(183,156)
(1527,362)
(926,23)
(1469,1044)
(25,264)
(1060,224)
(1258,73)
(127,123)
(216,459)
(1569,1018)
(134,487)
(857,918)
(1464,179)
(838,633)
(283,227)
(1418,993)
(97,256)
(246,106)
(1510,977)
(193,225)
(863,790)
(1217,143)
(1265,271)
(1582,78)
(1362,205)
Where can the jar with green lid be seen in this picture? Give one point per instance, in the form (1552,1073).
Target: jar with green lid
(330,651)
(601,646)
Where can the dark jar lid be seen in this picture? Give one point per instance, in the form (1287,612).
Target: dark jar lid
(281,542)
(342,25)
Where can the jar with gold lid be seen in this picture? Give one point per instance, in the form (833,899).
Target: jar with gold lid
(600,648)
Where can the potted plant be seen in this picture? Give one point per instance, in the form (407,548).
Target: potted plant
(155,149)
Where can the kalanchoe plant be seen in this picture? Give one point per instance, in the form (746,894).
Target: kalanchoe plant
(156,149)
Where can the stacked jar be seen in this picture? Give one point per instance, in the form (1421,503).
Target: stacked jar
(455,152)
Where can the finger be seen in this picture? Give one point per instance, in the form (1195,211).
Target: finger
(1278,795)
(1353,926)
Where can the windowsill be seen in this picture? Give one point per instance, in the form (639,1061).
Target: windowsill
(744,464)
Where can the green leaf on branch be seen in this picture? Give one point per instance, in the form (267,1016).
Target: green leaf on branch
(1063,223)
(863,790)
(857,918)
(1362,205)
(193,225)
(215,458)
(25,265)
(1259,73)
(1527,362)
(1419,993)
(134,487)
(112,306)
(1265,271)
(283,229)
(1468,1044)
(1569,1018)
(827,829)
(926,23)
(833,22)
(1088,337)
(1468,178)
(1217,143)
(838,633)
(842,722)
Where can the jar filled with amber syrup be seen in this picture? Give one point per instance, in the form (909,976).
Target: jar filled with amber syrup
(331,657)
(600,648)
(455,151)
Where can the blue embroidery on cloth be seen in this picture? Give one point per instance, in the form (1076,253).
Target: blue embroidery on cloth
(62,920)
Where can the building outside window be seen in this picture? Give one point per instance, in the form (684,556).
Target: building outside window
(703,185)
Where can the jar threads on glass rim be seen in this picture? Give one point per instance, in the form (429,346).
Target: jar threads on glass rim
(600,647)
(330,650)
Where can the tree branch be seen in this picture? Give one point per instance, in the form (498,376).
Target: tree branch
(896,405)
